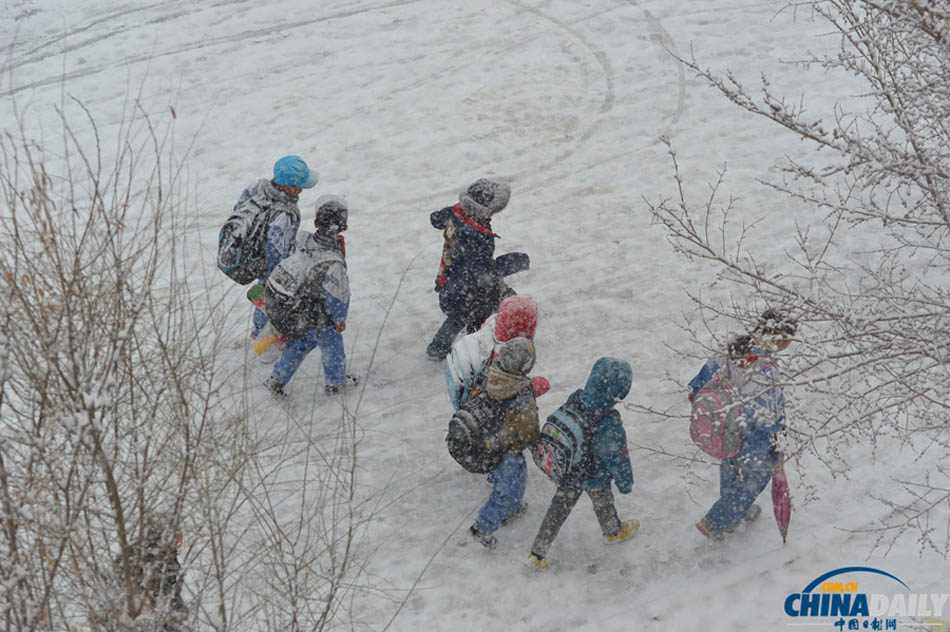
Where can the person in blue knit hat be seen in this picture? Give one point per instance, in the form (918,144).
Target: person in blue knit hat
(278,197)
(606,462)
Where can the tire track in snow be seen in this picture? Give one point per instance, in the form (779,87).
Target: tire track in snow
(660,35)
(26,58)
(608,74)
(205,43)
(608,101)
(459,68)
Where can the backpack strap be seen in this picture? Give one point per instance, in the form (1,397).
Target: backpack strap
(588,457)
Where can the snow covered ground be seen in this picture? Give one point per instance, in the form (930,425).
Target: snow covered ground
(401,103)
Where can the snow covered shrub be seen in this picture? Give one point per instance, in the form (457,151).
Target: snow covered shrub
(140,487)
(866,273)
(106,379)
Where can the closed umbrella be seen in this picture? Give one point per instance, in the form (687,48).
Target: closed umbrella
(781,499)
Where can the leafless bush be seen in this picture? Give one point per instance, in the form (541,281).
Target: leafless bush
(107,379)
(873,356)
(124,434)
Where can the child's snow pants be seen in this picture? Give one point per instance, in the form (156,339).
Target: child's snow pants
(561,505)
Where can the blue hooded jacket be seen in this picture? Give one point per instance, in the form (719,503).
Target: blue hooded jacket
(609,382)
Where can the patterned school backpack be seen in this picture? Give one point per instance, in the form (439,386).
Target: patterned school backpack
(714,421)
(563,451)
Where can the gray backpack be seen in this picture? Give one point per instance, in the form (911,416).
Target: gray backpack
(241,242)
(293,295)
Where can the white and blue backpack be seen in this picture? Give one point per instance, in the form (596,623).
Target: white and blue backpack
(466,363)
(241,242)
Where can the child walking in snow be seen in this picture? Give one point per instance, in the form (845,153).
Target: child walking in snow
(307,297)
(604,460)
(278,197)
(470,280)
(507,383)
(465,366)
(755,374)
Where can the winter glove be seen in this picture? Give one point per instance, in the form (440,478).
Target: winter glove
(540,386)
(512,262)
(440,219)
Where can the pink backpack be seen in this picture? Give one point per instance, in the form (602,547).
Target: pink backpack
(714,421)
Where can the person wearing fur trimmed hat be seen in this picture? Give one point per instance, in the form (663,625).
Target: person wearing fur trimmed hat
(507,381)
(470,279)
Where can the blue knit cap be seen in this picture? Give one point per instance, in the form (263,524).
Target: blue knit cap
(292,171)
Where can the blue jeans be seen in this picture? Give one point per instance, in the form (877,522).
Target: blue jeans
(260,321)
(508,484)
(741,479)
(331,351)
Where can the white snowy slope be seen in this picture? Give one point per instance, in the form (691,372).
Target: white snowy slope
(399,104)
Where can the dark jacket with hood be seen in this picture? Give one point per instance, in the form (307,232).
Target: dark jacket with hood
(468,278)
(609,382)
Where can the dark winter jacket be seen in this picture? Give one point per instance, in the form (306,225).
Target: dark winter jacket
(468,280)
(609,382)
(521,427)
